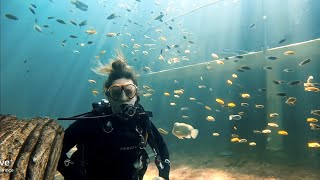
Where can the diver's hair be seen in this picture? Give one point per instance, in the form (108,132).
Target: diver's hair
(118,69)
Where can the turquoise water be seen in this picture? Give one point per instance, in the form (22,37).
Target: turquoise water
(46,73)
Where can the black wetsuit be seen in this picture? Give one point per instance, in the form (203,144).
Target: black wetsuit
(109,155)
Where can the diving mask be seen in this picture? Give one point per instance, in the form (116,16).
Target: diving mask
(115,91)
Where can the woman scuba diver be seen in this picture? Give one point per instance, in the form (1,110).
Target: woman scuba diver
(111,139)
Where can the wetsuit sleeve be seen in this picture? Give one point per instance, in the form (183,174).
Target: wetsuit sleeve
(73,135)
(163,151)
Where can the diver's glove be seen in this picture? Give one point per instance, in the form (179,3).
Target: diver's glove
(164,171)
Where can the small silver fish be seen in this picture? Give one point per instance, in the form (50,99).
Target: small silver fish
(234,117)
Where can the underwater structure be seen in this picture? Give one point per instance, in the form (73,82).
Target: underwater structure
(29,148)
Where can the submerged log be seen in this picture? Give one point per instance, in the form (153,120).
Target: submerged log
(32,147)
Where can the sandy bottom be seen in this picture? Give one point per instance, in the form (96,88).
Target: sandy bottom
(205,167)
(226,168)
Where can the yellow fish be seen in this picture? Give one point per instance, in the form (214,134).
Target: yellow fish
(180,91)
(229,82)
(215,134)
(219,62)
(91,31)
(314,145)
(231,104)
(288,53)
(235,139)
(207,108)
(147,94)
(312,89)
(210,118)
(245,95)
(291,101)
(220,101)
(312,120)
(167,94)
(273,125)
(234,76)
(284,133)
(266,131)
(94,92)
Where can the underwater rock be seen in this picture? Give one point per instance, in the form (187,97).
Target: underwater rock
(32,146)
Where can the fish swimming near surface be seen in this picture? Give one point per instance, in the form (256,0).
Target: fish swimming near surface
(159,17)
(251,26)
(74,23)
(245,67)
(80,5)
(267,67)
(83,23)
(282,41)
(294,83)
(288,70)
(305,62)
(61,21)
(12,17)
(234,117)
(37,28)
(32,10)
(183,130)
(112,16)
(271,58)
(281,94)
(33,5)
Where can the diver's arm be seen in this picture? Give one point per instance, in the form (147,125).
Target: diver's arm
(163,152)
(72,136)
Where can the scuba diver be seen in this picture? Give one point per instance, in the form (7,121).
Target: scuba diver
(111,139)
